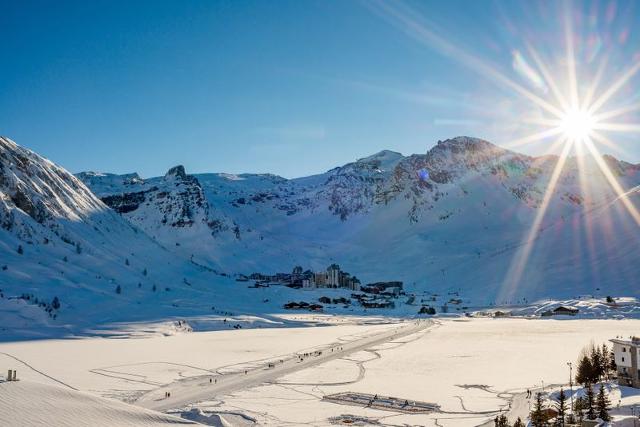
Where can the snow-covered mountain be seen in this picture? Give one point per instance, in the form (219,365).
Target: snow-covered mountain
(69,263)
(100,249)
(454,218)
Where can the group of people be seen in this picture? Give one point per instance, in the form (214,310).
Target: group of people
(167,394)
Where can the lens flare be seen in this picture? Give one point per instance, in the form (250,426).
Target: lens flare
(577,125)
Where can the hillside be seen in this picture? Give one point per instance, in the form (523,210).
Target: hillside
(114,250)
(448,220)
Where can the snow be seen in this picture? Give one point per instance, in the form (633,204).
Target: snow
(27,404)
(471,368)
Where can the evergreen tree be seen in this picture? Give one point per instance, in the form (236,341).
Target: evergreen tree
(538,417)
(65,259)
(584,373)
(603,405)
(126,261)
(591,403)
(596,363)
(501,421)
(144,272)
(78,248)
(154,288)
(518,423)
(612,363)
(20,250)
(55,303)
(118,290)
(561,407)
(578,408)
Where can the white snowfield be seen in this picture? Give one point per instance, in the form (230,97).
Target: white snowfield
(471,368)
(197,389)
(29,404)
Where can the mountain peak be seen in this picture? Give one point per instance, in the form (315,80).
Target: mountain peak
(385,159)
(461,143)
(176,171)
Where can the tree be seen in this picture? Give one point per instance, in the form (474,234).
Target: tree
(20,250)
(55,303)
(591,403)
(118,290)
(154,288)
(609,300)
(538,417)
(65,259)
(578,408)
(596,363)
(501,421)
(144,272)
(603,405)
(584,373)
(126,261)
(612,362)
(78,248)
(518,423)
(561,407)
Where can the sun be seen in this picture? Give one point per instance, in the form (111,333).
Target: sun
(577,125)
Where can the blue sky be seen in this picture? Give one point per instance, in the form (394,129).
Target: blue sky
(288,87)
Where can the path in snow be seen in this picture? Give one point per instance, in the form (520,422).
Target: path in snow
(197,389)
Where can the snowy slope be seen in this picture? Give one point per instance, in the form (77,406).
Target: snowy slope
(71,265)
(453,218)
(25,403)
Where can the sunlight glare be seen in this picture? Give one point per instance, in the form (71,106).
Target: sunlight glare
(577,125)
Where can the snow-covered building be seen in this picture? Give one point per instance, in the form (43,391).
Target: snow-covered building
(333,277)
(626,354)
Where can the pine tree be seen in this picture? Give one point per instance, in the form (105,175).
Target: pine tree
(78,248)
(584,373)
(65,259)
(578,408)
(596,363)
(613,367)
(561,407)
(126,261)
(501,421)
(154,288)
(55,303)
(20,250)
(518,423)
(603,405)
(591,403)
(118,290)
(144,272)
(538,418)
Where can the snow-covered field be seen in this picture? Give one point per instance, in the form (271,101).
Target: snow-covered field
(470,367)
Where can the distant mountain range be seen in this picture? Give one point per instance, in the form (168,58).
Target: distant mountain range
(452,219)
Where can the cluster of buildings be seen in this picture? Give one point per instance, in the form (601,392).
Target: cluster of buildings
(372,295)
(333,277)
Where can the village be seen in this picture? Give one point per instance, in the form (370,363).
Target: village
(369,296)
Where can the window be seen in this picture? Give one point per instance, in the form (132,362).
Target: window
(623,358)
(624,349)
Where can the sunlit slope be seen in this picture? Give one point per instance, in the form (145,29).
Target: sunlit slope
(456,217)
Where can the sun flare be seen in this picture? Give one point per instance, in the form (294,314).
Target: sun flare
(577,125)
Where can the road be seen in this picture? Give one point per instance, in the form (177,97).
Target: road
(207,387)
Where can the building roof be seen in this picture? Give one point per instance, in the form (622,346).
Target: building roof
(634,341)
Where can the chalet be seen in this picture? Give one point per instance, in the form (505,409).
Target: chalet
(626,354)
(388,288)
(561,311)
